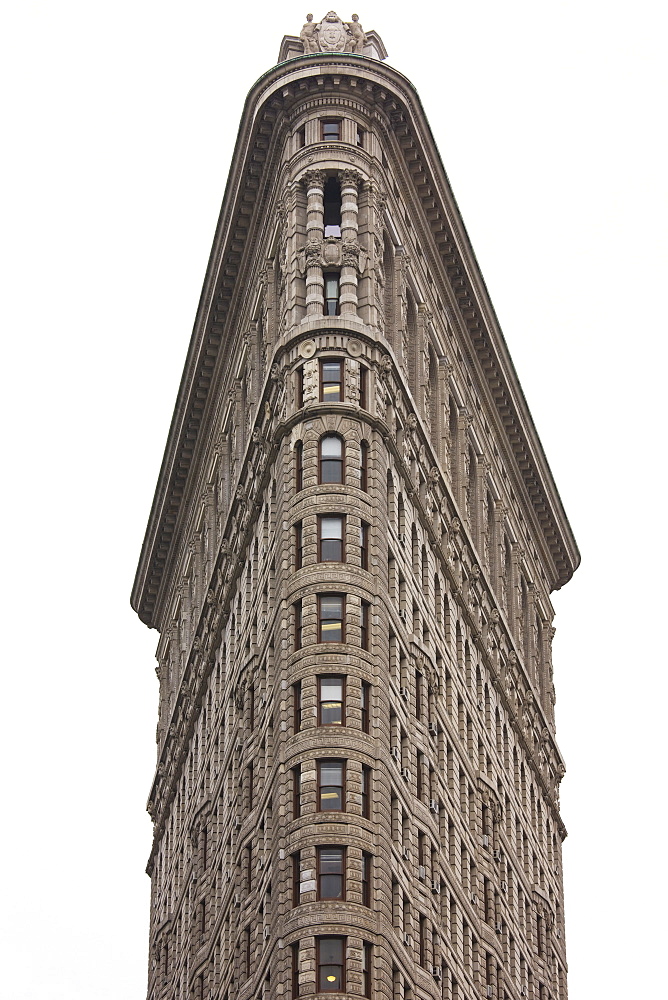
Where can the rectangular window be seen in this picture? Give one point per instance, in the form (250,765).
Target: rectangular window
(364,545)
(301,137)
(366,968)
(364,625)
(331,967)
(300,387)
(331,530)
(332,282)
(296,878)
(330,129)
(298,623)
(298,545)
(331,872)
(331,381)
(364,387)
(297,706)
(330,617)
(299,467)
(365,697)
(366,879)
(296,791)
(366,792)
(364,463)
(331,785)
(295,970)
(360,137)
(331,692)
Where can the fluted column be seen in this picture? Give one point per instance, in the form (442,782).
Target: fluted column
(350,250)
(315,220)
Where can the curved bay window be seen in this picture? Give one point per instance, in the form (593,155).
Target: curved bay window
(331,872)
(331,609)
(330,701)
(330,538)
(331,381)
(331,785)
(331,459)
(332,291)
(331,964)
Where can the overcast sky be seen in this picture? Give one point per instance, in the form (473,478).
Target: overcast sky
(118,126)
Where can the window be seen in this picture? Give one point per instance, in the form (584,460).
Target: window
(364,625)
(299,466)
(330,951)
(297,706)
(331,777)
(364,545)
(330,617)
(364,462)
(366,968)
(298,545)
(360,137)
(301,137)
(299,393)
(331,872)
(365,697)
(297,606)
(366,879)
(331,381)
(330,538)
(330,129)
(364,387)
(332,207)
(366,792)
(295,970)
(296,878)
(332,281)
(296,791)
(331,459)
(330,701)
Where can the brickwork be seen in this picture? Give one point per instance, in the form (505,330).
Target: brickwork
(349,562)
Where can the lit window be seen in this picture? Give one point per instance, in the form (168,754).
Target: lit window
(331,869)
(330,617)
(330,701)
(331,776)
(331,382)
(331,459)
(331,306)
(331,978)
(330,129)
(331,530)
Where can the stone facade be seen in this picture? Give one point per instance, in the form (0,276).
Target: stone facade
(349,561)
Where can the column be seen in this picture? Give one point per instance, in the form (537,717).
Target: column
(315,221)
(350,250)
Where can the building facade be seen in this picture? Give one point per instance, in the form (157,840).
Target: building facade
(349,560)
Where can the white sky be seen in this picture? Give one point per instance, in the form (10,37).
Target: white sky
(118,125)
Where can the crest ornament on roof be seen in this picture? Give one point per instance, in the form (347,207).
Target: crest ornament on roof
(333,35)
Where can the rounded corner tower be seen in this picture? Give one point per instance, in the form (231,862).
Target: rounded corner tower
(349,560)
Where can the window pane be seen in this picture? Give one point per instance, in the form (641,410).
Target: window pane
(331,689)
(331,951)
(330,447)
(331,773)
(331,860)
(331,471)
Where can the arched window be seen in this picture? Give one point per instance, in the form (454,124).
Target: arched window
(331,459)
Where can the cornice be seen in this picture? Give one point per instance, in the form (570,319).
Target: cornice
(272,97)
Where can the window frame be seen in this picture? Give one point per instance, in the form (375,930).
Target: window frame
(364,466)
(329,276)
(297,707)
(296,791)
(341,461)
(321,519)
(296,857)
(364,545)
(322,677)
(329,761)
(340,381)
(365,614)
(342,618)
(330,121)
(299,544)
(365,791)
(367,868)
(298,612)
(365,706)
(340,986)
(319,873)
(299,466)
(367,960)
